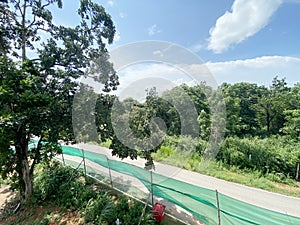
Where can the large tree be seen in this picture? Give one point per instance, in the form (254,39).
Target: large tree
(136,129)
(36,93)
(272,104)
(240,100)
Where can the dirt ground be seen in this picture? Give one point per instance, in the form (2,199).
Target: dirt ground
(5,195)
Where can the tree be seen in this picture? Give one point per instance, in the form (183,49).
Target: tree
(36,93)
(136,128)
(232,110)
(5,33)
(242,101)
(272,104)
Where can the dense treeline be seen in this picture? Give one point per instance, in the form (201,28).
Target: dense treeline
(262,124)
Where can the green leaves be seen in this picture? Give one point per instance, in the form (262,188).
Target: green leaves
(292,123)
(269,155)
(101,24)
(36,94)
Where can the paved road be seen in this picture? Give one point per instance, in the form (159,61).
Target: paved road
(272,201)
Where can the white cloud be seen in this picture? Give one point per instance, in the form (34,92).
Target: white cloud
(110,3)
(139,77)
(152,30)
(259,70)
(196,47)
(246,18)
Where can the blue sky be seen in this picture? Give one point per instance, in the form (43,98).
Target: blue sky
(239,40)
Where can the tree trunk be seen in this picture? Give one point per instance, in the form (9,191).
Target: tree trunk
(28,186)
(25,176)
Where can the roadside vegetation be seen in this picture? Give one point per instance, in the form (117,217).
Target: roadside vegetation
(260,146)
(268,163)
(63,195)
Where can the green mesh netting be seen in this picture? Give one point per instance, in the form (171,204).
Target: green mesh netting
(199,201)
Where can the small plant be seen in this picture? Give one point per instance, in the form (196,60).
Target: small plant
(106,209)
(99,209)
(163,153)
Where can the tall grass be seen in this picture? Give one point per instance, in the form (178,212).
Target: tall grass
(218,169)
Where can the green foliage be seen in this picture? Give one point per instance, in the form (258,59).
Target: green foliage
(106,144)
(292,123)
(36,94)
(163,152)
(63,188)
(61,184)
(66,188)
(100,210)
(239,99)
(205,125)
(268,155)
(138,131)
(106,209)
(262,127)
(193,163)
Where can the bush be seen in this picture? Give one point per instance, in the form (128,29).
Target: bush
(269,155)
(99,210)
(106,210)
(163,153)
(62,185)
(67,188)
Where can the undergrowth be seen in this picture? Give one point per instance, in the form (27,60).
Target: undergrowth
(249,177)
(61,190)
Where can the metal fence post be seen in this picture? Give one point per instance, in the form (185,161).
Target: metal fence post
(83,161)
(63,158)
(297,171)
(109,172)
(218,205)
(151,177)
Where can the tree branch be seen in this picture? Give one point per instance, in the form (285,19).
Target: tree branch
(19,7)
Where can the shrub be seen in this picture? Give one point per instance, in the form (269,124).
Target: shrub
(163,153)
(62,185)
(106,209)
(99,210)
(268,155)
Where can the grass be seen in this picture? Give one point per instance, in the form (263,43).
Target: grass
(3,182)
(252,178)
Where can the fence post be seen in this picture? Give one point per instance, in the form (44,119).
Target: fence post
(297,172)
(63,158)
(218,205)
(83,161)
(151,177)
(109,172)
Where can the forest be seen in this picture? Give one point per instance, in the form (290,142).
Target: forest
(262,126)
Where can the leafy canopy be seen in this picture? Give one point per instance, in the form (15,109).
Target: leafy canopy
(37,89)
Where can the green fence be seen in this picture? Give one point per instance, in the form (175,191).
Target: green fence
(201,202)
